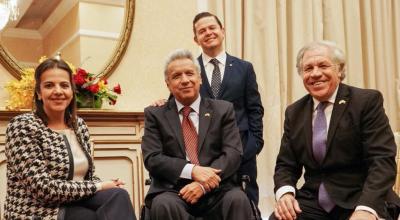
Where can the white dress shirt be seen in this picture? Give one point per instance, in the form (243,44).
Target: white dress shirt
(209,67)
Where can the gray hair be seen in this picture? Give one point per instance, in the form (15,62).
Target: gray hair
(177,55)
(337,55)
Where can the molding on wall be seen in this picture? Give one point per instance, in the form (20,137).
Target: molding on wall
(22,33)
(106,2)
(98,34)
(89,115)
(88,33)
(35,35)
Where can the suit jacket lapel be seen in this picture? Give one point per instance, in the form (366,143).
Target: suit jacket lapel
(340,105)
(204,78)
(228,72)
(205,115)
(174,122)
(308,111)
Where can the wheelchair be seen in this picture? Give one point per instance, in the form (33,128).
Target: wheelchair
(245,179)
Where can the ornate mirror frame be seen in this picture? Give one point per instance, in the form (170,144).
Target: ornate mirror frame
(12,66)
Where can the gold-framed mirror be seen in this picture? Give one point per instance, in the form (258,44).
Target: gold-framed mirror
(86,32)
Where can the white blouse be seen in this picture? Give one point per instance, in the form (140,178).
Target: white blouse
(81,163)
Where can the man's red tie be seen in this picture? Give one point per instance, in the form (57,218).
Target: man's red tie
(189,136)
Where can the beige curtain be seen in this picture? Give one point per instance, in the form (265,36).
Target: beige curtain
(270,32)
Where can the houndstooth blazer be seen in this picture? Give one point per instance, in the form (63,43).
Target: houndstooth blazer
(40,169)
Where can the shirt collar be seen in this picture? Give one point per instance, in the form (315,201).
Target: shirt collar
(330,100)
(221,57)
(195,105)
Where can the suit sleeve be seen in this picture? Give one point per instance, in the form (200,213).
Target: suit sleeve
(287,168)
(380,151)
(28,165)
(158,163)
(231,149)
(255,113)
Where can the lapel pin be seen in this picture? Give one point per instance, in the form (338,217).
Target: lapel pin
(230,64)
(207,114)
(342,102)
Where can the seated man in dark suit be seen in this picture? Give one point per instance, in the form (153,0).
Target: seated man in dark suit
(342,138)
(192,150)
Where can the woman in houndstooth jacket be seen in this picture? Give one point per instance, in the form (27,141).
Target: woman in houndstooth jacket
(49,167)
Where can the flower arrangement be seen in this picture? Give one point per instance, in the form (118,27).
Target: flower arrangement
(21,92)
(91,89)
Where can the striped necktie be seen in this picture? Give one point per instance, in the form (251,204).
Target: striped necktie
(189,136)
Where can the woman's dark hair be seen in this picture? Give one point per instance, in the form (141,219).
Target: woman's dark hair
(70,112)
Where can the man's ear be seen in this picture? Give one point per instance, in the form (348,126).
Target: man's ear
(341,70)
(167,83)
(195,39)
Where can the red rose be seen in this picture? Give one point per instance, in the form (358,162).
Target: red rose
(117,89)
(81,72)
(79,80)
(93,88)
(112,101)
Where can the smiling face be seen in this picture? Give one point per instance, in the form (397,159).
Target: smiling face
(55,91)
(183,80)
(320,74)
(209,35)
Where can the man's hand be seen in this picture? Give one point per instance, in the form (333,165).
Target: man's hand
(362,215)
(158,103)
(206,176)
(287,207)
(192,192)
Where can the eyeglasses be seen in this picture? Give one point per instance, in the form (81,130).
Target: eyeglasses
(321,67)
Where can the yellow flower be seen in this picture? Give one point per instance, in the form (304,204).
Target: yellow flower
(42,58)
(102,86)
(73,68)
(21,92)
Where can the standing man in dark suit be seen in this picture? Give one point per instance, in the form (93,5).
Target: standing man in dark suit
(192,150)
(229,78)
(342,138)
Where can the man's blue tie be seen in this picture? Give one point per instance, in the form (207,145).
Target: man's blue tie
(319,150)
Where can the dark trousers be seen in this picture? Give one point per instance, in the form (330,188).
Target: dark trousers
(249,168)
(311,210)
(104,205)
(234,205)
